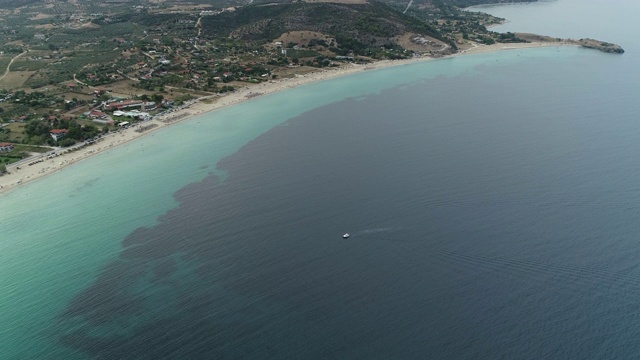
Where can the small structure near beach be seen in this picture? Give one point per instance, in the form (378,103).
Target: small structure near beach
(5,147)
(58,134)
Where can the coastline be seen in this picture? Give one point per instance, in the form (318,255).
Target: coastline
(43,166)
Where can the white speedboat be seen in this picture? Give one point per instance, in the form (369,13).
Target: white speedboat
(346,236)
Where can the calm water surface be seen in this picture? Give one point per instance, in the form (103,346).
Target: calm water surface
(492,202)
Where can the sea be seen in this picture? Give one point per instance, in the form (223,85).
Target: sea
(493,203)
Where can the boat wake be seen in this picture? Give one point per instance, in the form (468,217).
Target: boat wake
(373,231)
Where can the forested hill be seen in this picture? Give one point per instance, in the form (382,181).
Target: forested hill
(466,3)
(368,23)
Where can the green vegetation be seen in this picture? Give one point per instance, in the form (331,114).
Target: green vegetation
(357,28)
(37,132)
(18,153)
(25,65)
(77,56)
(4,62)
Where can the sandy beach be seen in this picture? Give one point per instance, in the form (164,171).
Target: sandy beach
(40,166)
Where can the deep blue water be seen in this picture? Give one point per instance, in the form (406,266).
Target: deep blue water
(485,225)
(493,211)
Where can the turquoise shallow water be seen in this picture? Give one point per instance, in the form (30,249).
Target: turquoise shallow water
(60,231)
(473,153)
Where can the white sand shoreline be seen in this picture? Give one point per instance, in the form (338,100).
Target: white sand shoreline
(28,173)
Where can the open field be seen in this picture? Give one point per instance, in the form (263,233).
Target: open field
(40,16)
(293,71)
(28,65)
(419,43)
(32,148)
(15,132)
(45,26)
(15,79)
(4,62)
(125,88)
(302,37)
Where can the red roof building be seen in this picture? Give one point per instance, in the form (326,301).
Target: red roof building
(4,146)
(97,114)
(123,104)
(58,134)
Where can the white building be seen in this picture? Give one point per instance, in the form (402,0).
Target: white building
(4,147)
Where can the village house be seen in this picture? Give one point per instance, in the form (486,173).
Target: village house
(136,114)
(104,121)
(4,147)
(138,65)
(96,114)
(58,134)
(124,104)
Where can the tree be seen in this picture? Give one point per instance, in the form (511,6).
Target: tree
(3,168)
(66,142)
(36,128)
(75,131)
(157,98)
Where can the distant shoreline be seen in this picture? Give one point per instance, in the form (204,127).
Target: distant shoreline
(39,170)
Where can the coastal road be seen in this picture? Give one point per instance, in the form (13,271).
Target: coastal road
(35,156)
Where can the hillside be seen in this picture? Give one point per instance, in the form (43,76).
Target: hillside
(466,3)
(354,26)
